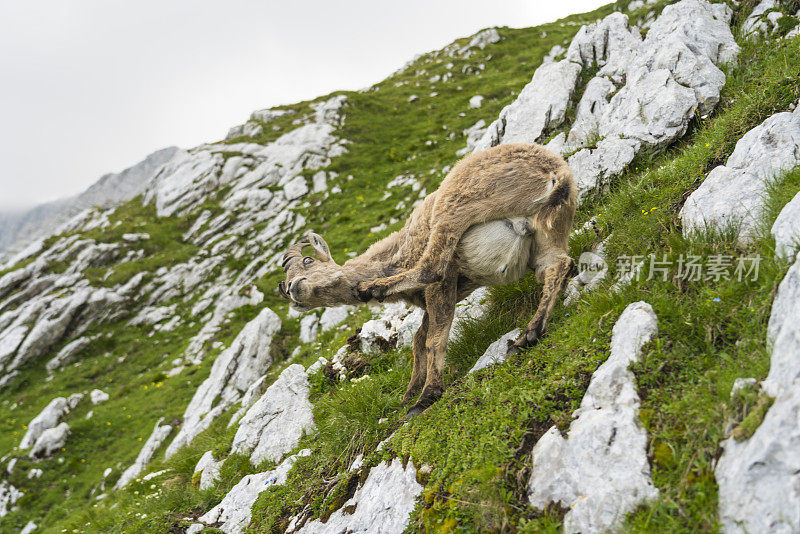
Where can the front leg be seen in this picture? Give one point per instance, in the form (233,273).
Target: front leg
(555,279)
(419,372)
(440,300)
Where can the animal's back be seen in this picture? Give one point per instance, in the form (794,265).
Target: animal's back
(498,180)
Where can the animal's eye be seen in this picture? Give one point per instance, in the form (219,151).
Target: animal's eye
(308,260)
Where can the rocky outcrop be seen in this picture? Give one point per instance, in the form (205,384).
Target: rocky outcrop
(759,477)
(541,105)
(733,194)
(157,437)
(18,230)
(643,96)
(8,496)
(187,180)
(67,354)
(208,469)
(49,418)
(53,317)
(786,229)
(382,504)
(233,513)
(274,425)
(233,372)
(98,396)
(600,470)
(496,352)
(50,441)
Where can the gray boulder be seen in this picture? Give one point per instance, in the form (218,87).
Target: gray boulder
(233,372)
(382,504)
(600,470)
(786,229)
(48,418)
(234,511)
(734,193)
(157,437)
(759,478)
(541,104)
(208,468)
(274,425)
(50,441)
(8,496)
(496,352)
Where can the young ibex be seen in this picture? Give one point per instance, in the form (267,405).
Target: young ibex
(497,214)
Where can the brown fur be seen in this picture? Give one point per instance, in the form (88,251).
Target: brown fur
(418,264)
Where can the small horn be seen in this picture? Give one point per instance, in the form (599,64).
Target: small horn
(294,251)
(282,289)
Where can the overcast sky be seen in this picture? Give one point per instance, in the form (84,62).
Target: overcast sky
(90,87)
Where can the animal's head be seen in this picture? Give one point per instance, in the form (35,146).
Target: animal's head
(311,281)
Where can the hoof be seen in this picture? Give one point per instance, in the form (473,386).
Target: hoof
(527,339)
(513,349)
(409,396)
(429,396)
(378,292)
(364,292)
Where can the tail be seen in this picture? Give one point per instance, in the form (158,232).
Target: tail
(563,197)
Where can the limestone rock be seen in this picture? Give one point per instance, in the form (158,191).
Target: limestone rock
(295,188)
(97,396)
(233,372)
(658,85)
(541,104)
(50,441)
(234,510)
(476,102)
(334,316)
(786,229)
(309,328)
(733,193)
(610,44)
(600,471)
(484,38)
(381,505)
(8,496)
(208,468)
(48,418)
(275,423)
(759,478)
(183,181)
(496,352)
(757,21)
(54,317)
(157,437)
(67,354)
(473,134)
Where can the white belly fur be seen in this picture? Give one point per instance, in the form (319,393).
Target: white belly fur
(496,252)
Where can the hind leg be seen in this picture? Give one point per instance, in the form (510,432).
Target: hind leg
(553,268)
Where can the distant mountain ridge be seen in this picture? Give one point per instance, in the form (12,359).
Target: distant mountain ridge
(17,229)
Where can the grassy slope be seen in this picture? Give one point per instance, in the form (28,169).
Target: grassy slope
(477,437)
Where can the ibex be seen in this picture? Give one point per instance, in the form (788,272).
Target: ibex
(496,214)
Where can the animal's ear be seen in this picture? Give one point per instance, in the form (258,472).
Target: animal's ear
(320,246)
